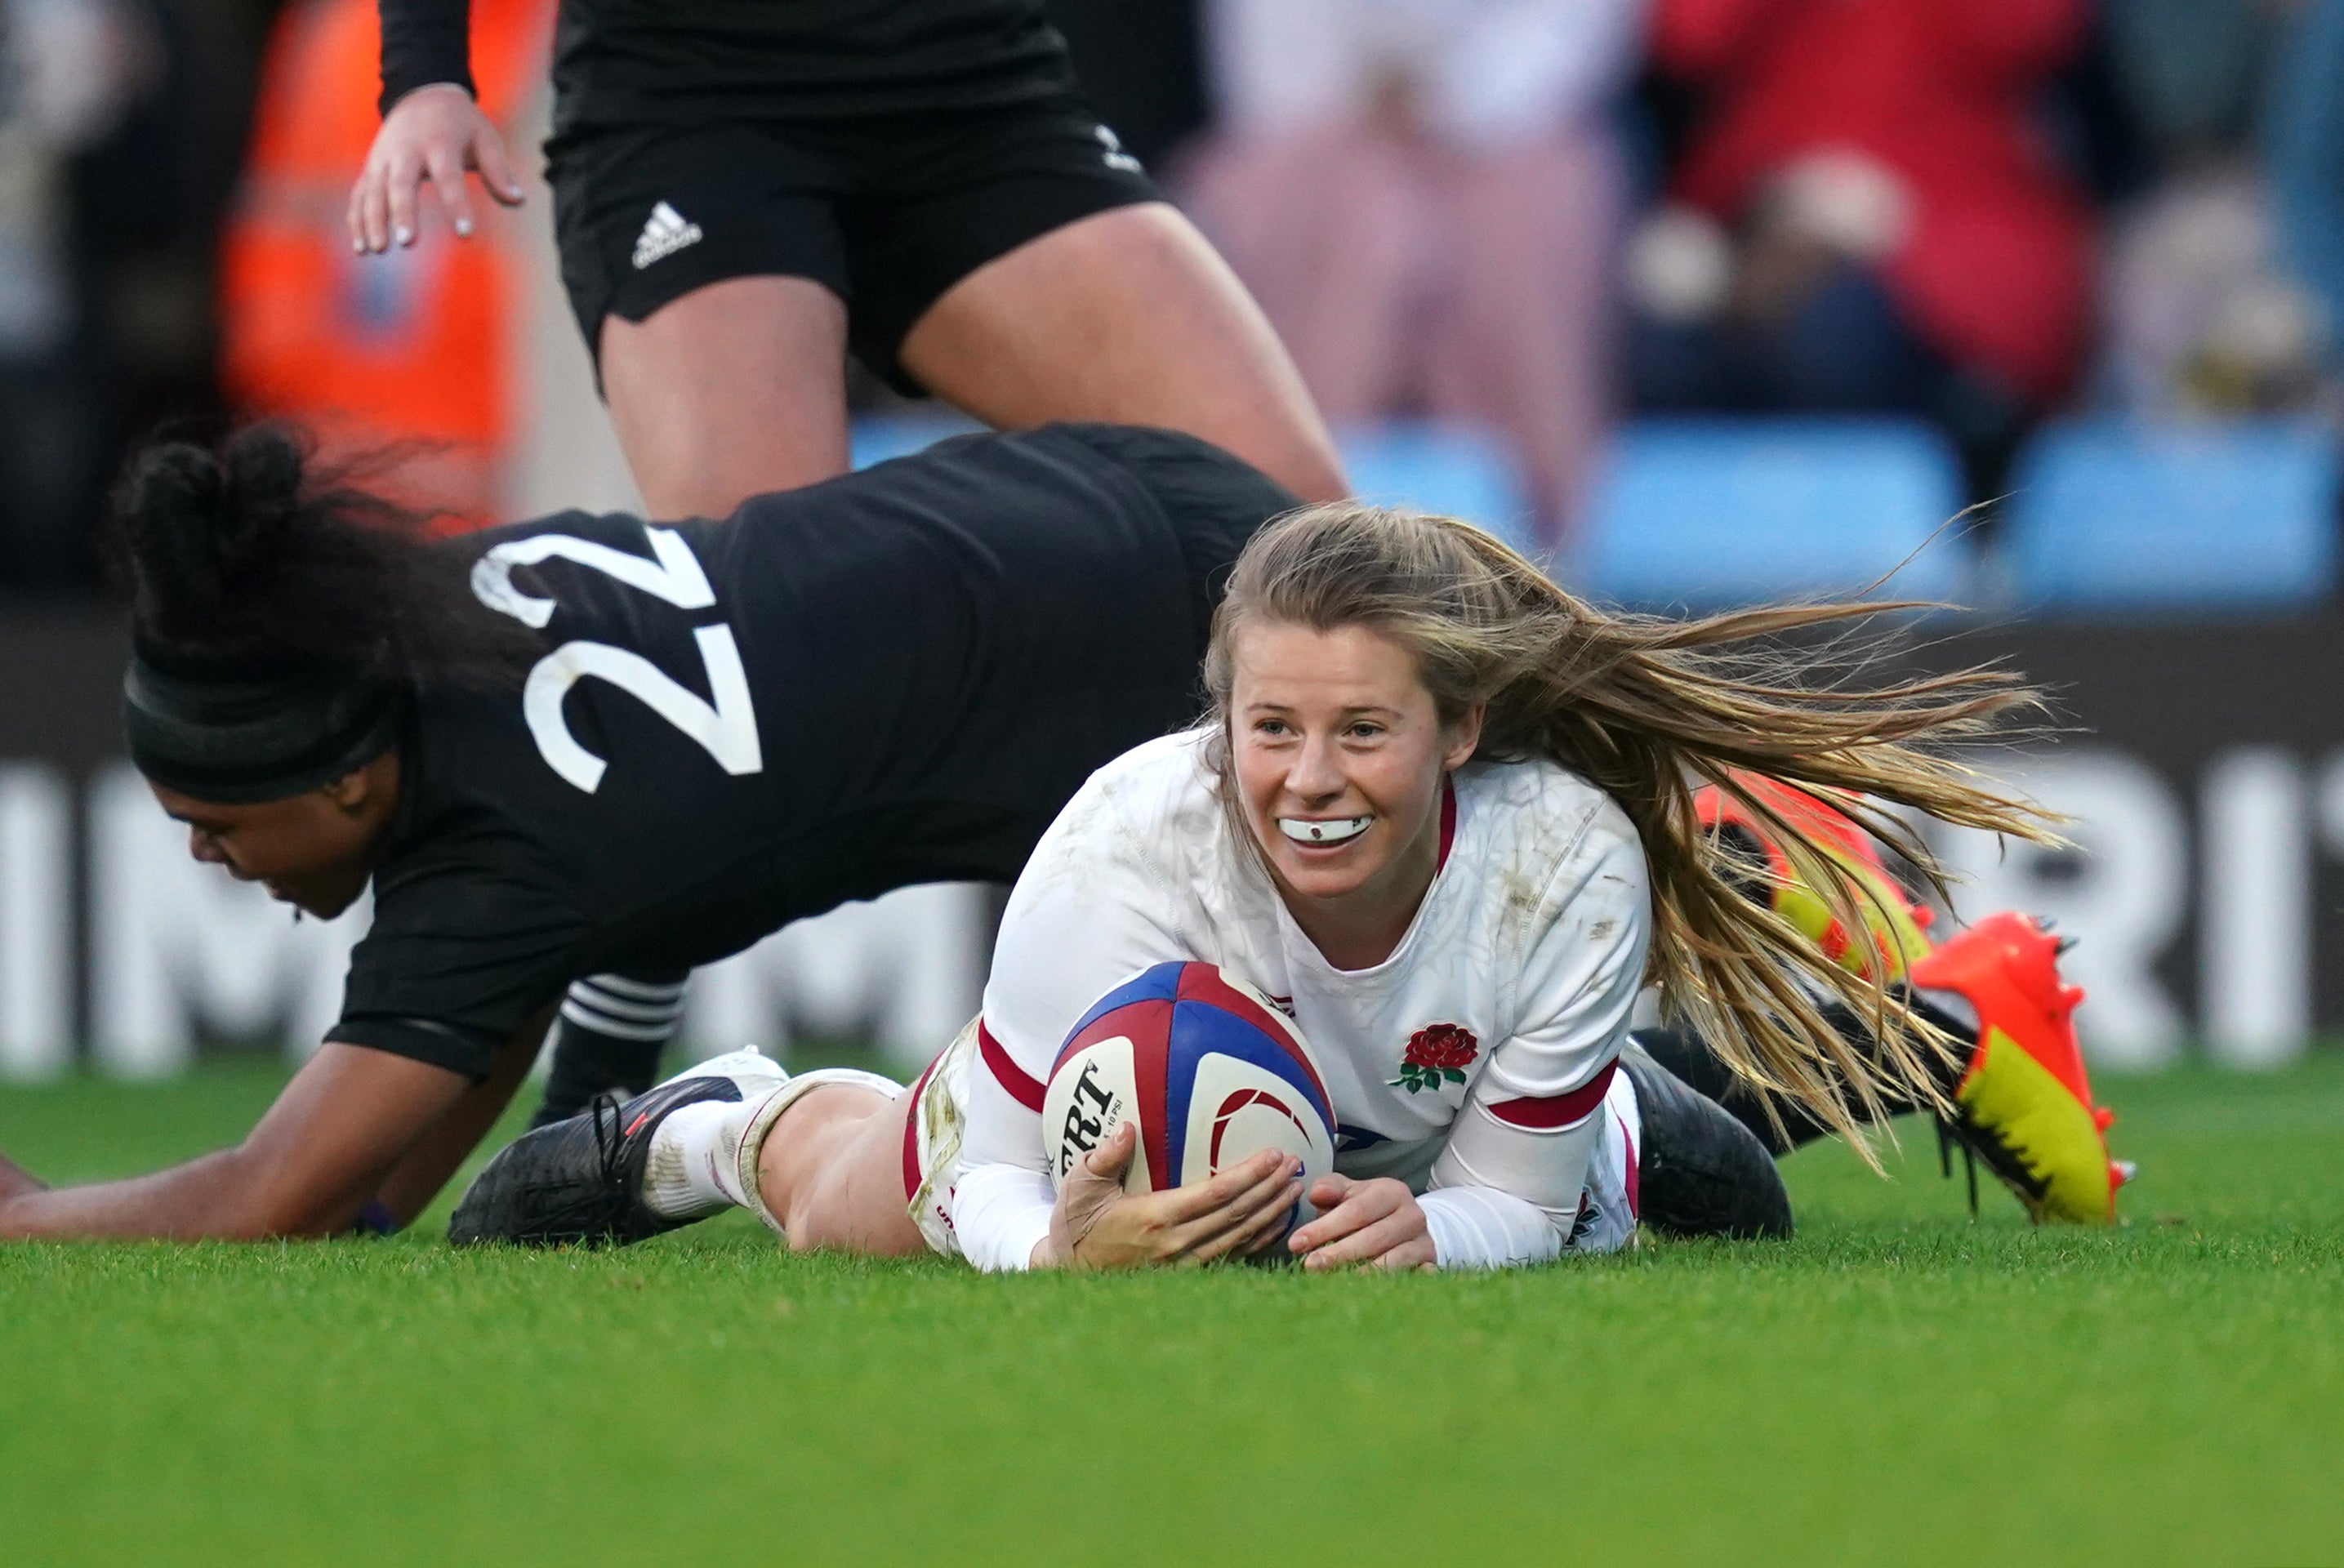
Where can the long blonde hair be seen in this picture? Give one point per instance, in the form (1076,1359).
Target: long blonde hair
(1649,708)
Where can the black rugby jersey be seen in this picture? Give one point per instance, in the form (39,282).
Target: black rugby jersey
(691,61)
(894,677)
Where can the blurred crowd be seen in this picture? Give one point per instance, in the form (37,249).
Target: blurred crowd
(1541,216)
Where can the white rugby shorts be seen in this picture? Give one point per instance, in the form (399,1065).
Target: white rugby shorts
(932,1140)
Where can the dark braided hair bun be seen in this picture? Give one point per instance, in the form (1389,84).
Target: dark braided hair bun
(250,563)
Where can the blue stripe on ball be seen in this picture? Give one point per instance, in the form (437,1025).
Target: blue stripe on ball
(1159,984)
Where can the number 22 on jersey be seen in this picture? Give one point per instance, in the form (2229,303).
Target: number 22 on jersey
(727,728)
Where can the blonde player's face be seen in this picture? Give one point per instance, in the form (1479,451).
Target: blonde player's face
(1339,754)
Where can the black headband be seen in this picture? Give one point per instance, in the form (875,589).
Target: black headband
(237,741)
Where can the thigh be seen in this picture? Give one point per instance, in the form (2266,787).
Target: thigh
(1128,317)
(736,389)
(1017,263)
(707,271)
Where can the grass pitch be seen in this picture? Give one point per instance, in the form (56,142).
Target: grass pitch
(1899,1385)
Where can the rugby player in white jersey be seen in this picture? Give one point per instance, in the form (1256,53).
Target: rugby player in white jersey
(1445,813)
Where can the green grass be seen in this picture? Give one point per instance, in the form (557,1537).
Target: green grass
(1899,1385)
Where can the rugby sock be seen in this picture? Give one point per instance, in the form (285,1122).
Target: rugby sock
(694,1165)
(607,1041)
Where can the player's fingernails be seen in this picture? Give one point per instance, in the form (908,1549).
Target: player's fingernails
(463,229)
(357,247)
(402,234)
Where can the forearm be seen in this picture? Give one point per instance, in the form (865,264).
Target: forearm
(409,1188)
(341,1127)
(424,41)
(213,1196)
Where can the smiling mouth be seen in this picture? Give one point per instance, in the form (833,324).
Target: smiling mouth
(1341,830)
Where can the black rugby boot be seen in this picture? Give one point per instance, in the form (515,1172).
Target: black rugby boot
(580,1181)
(1700,1172)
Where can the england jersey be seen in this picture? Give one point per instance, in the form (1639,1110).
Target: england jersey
(1475,1063)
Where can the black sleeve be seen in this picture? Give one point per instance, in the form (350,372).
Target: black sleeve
(424,41)
(454,963)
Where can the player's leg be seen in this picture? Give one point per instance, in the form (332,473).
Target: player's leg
(706,272)
(2014,1081)
(1688,1059)
(1700,1172)
(734,389)
(1126,317)
(818,1156)
(1018,263)
(608,1038)
(830,1172)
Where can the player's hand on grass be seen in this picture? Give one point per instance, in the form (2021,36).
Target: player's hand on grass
(1379,1223)
(434,133)
(1095,1224)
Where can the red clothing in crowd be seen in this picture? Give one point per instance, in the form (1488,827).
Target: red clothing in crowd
(1995,270)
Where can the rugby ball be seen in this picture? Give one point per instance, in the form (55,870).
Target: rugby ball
(1208,1066)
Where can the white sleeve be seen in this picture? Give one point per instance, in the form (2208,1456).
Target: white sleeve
(1000,1214)
(1530,1122)
(1087,915)
(1482,1228)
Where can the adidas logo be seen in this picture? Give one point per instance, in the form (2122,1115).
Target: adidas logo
(664,233)
(1115,156)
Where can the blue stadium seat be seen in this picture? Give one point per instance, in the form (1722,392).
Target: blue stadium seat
(1453,470)
(2107,514)
(1706,513)
(884,436)
(1437,467)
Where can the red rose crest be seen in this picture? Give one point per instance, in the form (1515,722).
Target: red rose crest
(1437,1054)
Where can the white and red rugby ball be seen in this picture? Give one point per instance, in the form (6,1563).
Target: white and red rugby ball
(1206,1065)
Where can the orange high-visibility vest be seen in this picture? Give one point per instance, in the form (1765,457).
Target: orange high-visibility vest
(410,346)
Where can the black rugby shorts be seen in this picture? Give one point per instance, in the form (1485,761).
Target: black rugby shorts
(885,210)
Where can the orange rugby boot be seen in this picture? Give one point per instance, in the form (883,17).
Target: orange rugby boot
(1895,926)
(2023,1099)
(2024,1102)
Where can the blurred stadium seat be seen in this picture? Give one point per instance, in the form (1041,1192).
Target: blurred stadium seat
(1453,470)
(883,436)
(1441,467)
(2108,514)
(1711,513)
